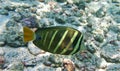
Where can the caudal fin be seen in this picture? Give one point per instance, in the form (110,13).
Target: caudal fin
(28,34)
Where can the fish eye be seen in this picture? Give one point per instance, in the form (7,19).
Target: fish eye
(38,37)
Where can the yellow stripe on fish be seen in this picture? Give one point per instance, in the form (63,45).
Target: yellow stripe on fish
(58,40)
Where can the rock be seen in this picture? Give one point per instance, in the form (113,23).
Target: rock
(56,60)
(45,22)
(85,66)
(76,23)
(99,38)
(2,40)
(100,69)
(50,14)
(3,12)
(10,7)
(18,54)
(45,68)
(81,4)
(91,21)
(101,63)
(11,23)
(26,6)
(90,48)
(29,63)
(31,22)
(114,28)
(113,67)
(88,29)
(90,9)
(16,16)
(78,13)
(14,39)
(11,55)
(67,12)
(33,49)
(60,19)
(59,69)
(101,12)
(15,66)
(69,65)
(41,0)
(98,31)
(33,9)
(23,12)
(114,42)
(104,26)
(35,61)
(61,0)
(13,34)
(98,18)
(2,61)
(3,20)
(88,61)
(111,53)
(118,36)
(28,69)
(116,1)
(115,12)
(116,18)
(84,56)
(76,1)
(79,65)
(70,1)
(91,68)
(42,9)
(1,51)
(71,19)
(47,63)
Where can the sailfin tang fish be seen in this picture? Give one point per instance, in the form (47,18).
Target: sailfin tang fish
(58,40)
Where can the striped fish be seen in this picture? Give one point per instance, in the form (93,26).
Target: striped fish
(58,40)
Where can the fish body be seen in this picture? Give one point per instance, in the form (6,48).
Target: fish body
(58,40)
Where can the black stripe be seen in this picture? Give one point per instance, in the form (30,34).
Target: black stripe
(56,41)
(73,44)
(50,34)
(79,43)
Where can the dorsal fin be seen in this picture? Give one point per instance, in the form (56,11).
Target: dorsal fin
(28,34)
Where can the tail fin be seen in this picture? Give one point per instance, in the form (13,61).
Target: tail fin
(28,34)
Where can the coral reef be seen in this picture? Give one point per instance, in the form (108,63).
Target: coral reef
(98,20)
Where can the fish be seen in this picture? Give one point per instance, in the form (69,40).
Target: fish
(62,40)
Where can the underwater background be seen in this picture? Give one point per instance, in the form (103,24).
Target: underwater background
(98,20)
